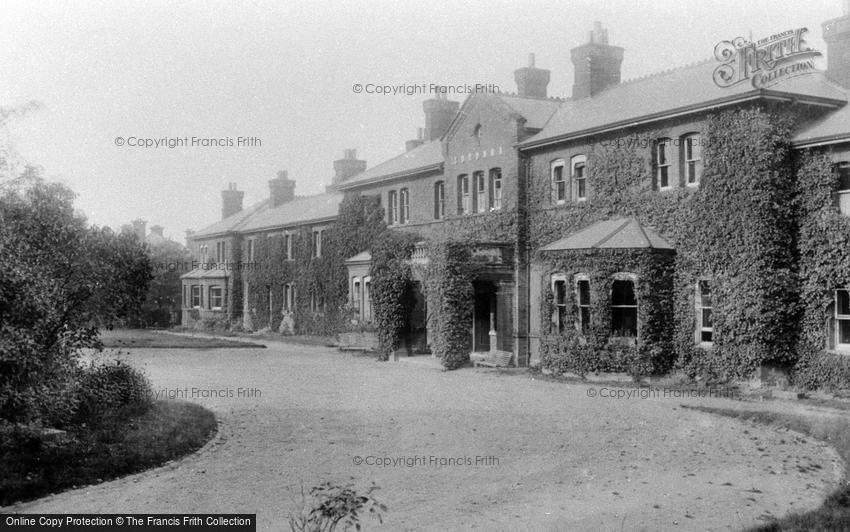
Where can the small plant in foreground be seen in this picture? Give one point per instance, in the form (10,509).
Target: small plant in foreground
(328,506)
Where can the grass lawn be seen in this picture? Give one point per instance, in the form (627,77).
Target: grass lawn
(834,514)
(124,444)
(144,338)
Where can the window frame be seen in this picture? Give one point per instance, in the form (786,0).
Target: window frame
(367,299)
(700,313)
(404,206)
(479,202)
(559,186)
(464,199)
(627,278)
(582,324)
(663,168)
(688,145)
(579,161)
(212,298)
(842,195)
(559,314)
(199,296)
(839,317)
(392,207)
(496,189)
(439,200)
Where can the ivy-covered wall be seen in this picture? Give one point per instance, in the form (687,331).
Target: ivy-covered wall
(737,229)
(359,223)
(594,351)
(824,243)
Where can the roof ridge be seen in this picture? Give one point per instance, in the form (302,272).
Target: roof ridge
(662,72)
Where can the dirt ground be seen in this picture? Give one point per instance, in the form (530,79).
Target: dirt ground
(528,454)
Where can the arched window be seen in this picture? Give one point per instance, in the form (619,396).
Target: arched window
(663,147)
(463,198)
(480,192)
(623,309)
(559,182)
(578,165)
(691,159)
(476,131)
(495,189)
(404,206)
(439,200)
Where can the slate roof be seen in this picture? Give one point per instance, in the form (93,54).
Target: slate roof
(232,223)
(428,155)
(299,211)
(536,111)
(619,233)
(832,127)
(686,89)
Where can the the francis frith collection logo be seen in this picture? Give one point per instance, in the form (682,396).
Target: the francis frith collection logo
(764,62)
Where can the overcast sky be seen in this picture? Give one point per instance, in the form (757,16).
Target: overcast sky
(284,72)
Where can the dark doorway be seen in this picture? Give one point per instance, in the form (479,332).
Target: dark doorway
(484,314)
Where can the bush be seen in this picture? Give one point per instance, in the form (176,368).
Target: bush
(450,292)
(105,389)
(329,506)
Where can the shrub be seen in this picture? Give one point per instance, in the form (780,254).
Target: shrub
(107,388)
(327,506)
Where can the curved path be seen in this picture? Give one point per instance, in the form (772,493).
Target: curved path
(551,457)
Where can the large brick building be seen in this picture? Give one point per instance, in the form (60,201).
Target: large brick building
(603,217)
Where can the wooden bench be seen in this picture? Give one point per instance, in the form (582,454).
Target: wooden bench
(494,359)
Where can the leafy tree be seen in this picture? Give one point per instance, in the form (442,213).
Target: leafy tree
(60,280)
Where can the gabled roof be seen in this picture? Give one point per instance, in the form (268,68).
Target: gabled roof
(679,91)
(232,223)
(619,233)
(298,211)
(426,157)
(834,127)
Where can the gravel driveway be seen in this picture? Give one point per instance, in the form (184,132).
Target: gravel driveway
(549,457)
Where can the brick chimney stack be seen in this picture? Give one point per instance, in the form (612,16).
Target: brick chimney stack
(282,189)
(439,113)
(531,81)
(348,166)
(836,33)
(596,64)
(157,230)
(231,201)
